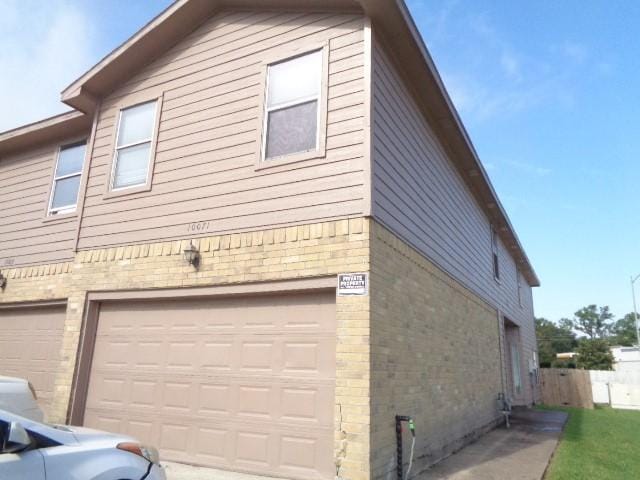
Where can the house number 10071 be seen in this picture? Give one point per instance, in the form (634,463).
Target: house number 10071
(198,227)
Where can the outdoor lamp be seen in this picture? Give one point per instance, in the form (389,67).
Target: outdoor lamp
(192,255)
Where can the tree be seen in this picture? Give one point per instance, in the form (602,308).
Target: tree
(553,339)
(566,324)
(624,331)
(593,321)
(594,354)
(568,363)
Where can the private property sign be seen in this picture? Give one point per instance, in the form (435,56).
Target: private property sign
(353,284)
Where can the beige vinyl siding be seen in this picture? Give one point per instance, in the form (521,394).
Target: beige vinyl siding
(208,135)
(25,183)
(419,195)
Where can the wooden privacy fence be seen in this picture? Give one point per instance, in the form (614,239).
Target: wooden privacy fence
(566,387)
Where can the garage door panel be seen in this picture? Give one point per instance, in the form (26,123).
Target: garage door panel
(246,384)
(217,355)
(30,344)
(144,394)
(310,405)
(217,399)
(228,443)
(106,420)
(114,353)
(292,355)
(293,402)
(303,313)
(213,445)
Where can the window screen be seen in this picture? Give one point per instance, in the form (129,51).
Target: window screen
(292,106)
(494,252)
(66,180)
(133,149)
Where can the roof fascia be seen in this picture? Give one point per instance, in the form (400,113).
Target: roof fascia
(65,125)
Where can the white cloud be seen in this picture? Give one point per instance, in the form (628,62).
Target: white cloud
(576,52)
(511,65)
(529,168)
(481,102)
(437,21)
(489,166)
(489,75)
(45,46)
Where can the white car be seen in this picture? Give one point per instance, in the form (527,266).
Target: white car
(37,451)
(18,396)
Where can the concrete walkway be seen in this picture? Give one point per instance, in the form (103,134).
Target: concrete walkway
(519,453)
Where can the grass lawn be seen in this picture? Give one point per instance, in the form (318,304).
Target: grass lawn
(600,444)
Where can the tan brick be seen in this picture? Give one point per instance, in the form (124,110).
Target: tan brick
(273,254)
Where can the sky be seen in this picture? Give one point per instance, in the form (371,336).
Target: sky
(548,91)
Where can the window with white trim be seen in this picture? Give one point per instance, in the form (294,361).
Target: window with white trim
(292,106)
(494,254)
(134,139)
(519,287)
(66,179)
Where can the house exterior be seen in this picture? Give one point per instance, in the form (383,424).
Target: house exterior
(626,358)
(173,247)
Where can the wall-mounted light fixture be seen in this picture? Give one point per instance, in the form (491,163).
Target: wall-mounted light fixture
(192,255)
(3,281)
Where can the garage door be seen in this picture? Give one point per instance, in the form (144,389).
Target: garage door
(244,384)
(30,342)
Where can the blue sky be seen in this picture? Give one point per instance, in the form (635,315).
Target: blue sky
(548,91)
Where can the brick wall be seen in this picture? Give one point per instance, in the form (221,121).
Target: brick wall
(421,344)
(275,254)
(435,356)
(36,283)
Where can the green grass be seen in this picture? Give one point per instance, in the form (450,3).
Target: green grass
(599,444)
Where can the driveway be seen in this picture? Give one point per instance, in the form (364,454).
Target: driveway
(179,471)
(519,453)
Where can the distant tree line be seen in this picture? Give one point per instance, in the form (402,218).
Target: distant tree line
(590,333)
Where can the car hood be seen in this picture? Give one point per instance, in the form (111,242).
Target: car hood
(67,434)
(4,379)
(89,435)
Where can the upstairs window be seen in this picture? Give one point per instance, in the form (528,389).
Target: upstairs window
(293,106)
(133,146)
(519,287)
(494,254)
(66,179)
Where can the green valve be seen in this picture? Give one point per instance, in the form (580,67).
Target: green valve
(412,426)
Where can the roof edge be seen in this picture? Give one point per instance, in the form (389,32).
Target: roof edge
(79,94)
(66,124)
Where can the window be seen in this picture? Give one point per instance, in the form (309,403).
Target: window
(515,367)
(66,179)
(494,252)
(536,379)
(519,287)
(133,146)
(292,106)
